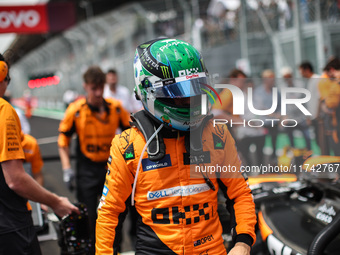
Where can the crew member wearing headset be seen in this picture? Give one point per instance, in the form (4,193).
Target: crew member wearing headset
(17,234)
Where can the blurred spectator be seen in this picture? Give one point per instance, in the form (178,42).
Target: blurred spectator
(247,136)
(307,71)
(313,105)
(293,112)
(225,110)
(221,21)
(285,15)
(244,135)
(287,79)
(271,12)
(333,10)
(304,10)
(169,29)
(69,97)
(291,9)
(114,90)
(263,100)
(227,23)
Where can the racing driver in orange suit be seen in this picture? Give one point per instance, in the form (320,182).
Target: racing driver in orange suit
(160,163)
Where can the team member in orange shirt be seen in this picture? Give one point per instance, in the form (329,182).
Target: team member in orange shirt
(332,106)
(33,158)
(33,162)
(17,234)
(176,203)
(95,121)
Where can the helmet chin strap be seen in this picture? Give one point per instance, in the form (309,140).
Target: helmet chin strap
(147,125)
(139,163)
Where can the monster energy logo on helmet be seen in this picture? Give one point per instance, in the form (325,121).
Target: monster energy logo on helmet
(150,63)
(165,71)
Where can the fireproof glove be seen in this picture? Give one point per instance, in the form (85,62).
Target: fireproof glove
(69,178)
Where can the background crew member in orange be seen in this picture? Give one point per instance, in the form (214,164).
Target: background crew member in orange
(33,162)
(331,106)
(94,120)
(177,206)
(17,234)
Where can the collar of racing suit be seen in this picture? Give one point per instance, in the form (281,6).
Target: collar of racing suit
(150,129)
(156,148)
(96,109)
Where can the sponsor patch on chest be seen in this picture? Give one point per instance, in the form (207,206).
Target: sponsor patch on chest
(149,165)
(178,191)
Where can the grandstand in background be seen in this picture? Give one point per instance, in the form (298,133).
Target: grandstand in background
(248,33)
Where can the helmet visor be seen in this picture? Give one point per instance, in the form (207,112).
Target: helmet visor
(187,88)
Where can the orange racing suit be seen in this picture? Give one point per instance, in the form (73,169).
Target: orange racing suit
(94,132)
(332,101)
(32,154)
(178,214)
